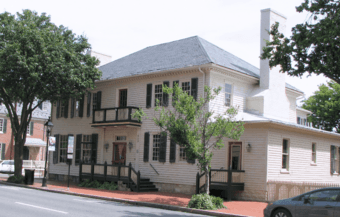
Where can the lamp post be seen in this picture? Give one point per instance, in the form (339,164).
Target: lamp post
(49,127)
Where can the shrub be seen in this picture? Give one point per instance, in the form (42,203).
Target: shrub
(205,201)
(95,184)
(16,179)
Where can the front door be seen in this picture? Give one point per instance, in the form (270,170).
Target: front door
(119,153)
(235,155)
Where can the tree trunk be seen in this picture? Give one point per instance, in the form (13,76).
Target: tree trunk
(207,183)
(18,156)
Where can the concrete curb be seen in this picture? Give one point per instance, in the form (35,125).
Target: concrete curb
(132,202)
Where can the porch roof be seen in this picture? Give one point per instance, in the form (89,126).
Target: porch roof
(34,142)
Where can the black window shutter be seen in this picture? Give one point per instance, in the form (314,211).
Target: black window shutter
(72,107)
(72,153)
(172,151)
(88,104)
(99,100)
(66,109)
(3,151)
(148,95)
(4,128)
(194,87)
(146,146)
(55,153)
(31,128)
(165,95)
(173,85)
(58,109)
(162,148)
(81,106)
(78,148)
(94,148)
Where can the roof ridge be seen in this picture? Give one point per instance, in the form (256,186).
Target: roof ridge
(203,49)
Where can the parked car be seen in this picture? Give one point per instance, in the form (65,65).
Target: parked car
(7,166)
(317,203)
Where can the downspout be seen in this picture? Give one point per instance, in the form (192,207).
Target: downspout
(199,69)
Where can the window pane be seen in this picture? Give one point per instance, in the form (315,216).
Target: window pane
(186,87)
(327,195)
(313,147)
(285,146)
(284,161)
(227,88)
(156,144)
(158,94)
(1,124)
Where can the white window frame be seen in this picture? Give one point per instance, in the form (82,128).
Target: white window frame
(285,170)
(189,90)
(158,94)
(182,154)
(2,120)
(28,129)
(231,94)
(62,158)
(86,148)
(155,146)
(76,107)
(94,102)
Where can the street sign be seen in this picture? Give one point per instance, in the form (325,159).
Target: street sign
(70,147)
(51,143)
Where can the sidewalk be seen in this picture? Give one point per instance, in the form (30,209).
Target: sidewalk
(153,199)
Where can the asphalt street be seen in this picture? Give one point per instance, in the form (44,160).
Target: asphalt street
(25,202)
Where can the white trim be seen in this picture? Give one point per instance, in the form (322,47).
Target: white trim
(231,93)
(2,126)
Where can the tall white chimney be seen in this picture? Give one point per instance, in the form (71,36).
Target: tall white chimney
(271,78)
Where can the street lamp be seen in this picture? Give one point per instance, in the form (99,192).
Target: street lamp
(49,127)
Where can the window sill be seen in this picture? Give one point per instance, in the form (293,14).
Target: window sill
(284,171)
(313,164)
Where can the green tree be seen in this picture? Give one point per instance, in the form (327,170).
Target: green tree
(314,46)
(40,61)
(325,105)
(191,124)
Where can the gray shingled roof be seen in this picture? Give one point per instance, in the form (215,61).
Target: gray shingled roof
(193,51)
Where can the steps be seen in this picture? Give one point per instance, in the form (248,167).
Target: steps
(145,186)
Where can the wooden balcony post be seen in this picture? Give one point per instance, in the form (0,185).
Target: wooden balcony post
(138,180)
(230,177)
(198,183)
(105,171)
(92,171)
(117,114)
(104,118)
(118,172)
(80,171)
(129,116)
(129,174)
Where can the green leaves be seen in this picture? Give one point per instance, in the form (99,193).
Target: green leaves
(325,105)
(314,46)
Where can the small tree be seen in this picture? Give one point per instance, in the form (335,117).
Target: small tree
(314,45)
(40,61)
(325,105)
(191,124)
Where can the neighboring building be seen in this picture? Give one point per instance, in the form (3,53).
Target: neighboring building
(274,147)
(34,148)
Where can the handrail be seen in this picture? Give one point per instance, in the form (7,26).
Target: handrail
(102,109)
(234,171)
(154,168)
(117,118)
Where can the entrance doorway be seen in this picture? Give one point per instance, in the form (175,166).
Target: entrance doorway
(119,153)
(235,155)
(123,98)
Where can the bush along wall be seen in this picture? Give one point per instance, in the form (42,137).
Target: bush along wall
(95,184)
(205,201)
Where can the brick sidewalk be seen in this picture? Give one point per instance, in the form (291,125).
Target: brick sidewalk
(242,208)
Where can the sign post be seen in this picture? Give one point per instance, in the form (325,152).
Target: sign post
(69,157)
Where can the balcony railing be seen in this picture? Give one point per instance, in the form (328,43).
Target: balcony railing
(113,115)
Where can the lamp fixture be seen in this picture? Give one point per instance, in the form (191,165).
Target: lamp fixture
(130,145)
(248,147)
(49,127)
(106,146)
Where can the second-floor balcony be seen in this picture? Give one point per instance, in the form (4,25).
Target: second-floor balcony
(116,116)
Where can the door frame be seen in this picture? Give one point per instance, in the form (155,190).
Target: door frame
(119,96)
(229,155)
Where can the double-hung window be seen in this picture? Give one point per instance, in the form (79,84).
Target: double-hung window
(182,153)
(94,101)
(62,109)
(155,148)
(186,87)
(63,142)
(87,147)
(228,94)
(1,125)
(158,94)
(285,154)
(76,108)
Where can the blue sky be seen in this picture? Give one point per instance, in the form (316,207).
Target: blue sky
(118,28)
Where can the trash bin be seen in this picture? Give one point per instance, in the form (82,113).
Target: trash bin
(29,177)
